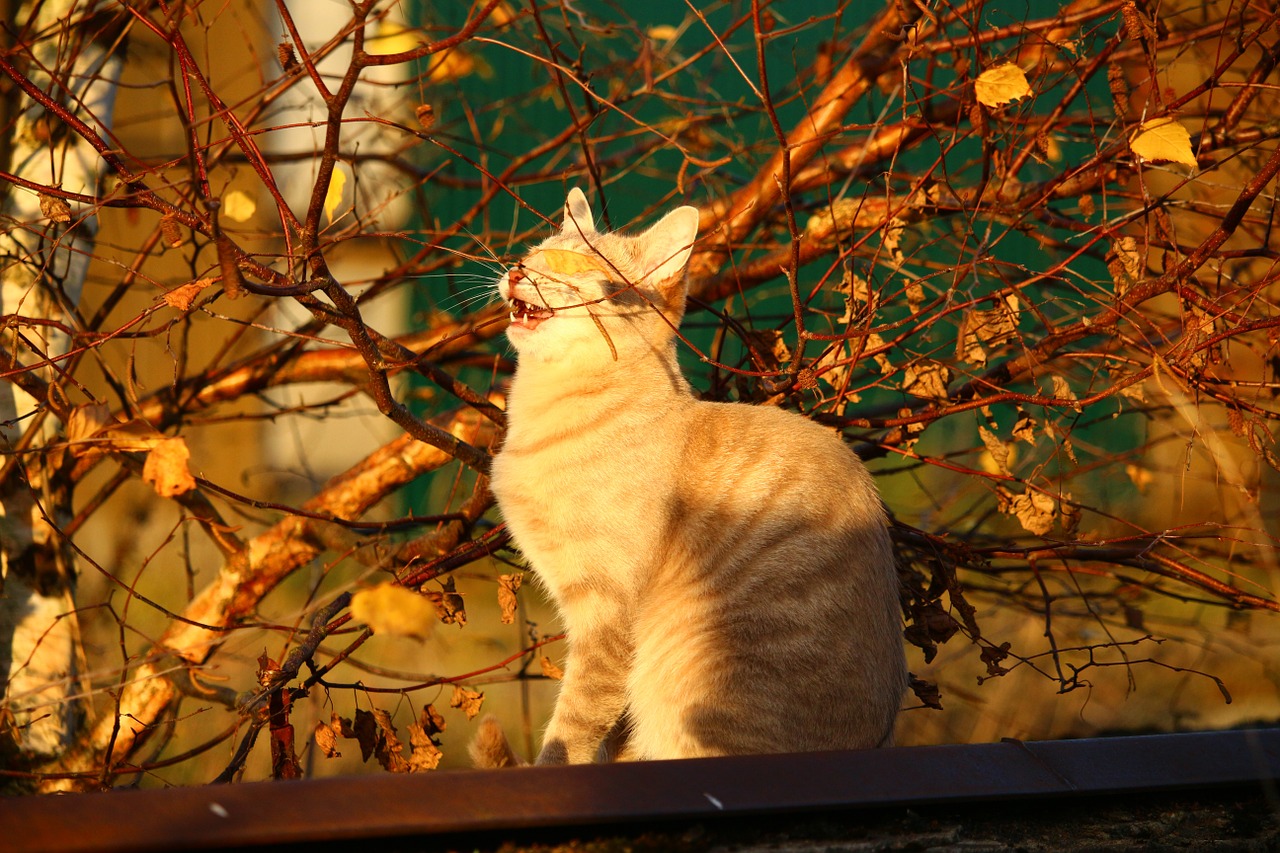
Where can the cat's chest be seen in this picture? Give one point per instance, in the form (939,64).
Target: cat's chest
(580,497)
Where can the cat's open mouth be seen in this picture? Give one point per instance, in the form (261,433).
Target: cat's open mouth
(526,315)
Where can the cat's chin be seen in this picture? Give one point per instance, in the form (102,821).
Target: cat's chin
(523,328)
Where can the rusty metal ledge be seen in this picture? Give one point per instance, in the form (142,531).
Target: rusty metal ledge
(452,802)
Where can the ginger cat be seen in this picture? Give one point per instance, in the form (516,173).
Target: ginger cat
(723,571)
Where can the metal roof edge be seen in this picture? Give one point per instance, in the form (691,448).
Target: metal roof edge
(465,801)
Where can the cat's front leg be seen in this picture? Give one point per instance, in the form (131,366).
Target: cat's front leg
(592,694)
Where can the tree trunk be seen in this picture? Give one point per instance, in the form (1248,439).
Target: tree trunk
(72,51)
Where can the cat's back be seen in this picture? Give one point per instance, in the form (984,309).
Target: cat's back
(772,623)
(768,453)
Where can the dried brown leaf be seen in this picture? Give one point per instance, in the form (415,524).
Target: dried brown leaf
(87,421)
(424,753)
(424,749)
(998,450)
(56,209)
(171,230)
(550,670)
(448,604)
(327,734)
(508,586)
(927,380)
(431,720)
(166,468)
(992,656)
(183,296)
(469,701)
(1024,427)
(1035,511)
(927,692)
(378,738)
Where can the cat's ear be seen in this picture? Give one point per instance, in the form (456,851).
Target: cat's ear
(666,247)
(577,214)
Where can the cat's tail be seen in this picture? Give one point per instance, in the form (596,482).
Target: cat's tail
(490,750)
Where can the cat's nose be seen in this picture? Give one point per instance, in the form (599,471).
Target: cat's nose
(515,275)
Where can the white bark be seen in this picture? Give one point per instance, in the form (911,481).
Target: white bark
(42,269)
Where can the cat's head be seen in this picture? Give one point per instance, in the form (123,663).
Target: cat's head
(583,293)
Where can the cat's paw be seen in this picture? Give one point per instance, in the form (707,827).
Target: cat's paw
(490,750)
(553,752)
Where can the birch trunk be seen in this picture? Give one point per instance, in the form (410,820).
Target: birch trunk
(71,51)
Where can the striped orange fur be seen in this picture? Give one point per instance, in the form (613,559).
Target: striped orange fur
(723,571)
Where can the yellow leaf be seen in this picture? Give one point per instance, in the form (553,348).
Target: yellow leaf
(238,206)
(1163,139)
(454,65)
(391,609)
(502,15)
(392,37)
(1000,84)
(166,468)
(334,196)
(1141,477)
(663,32)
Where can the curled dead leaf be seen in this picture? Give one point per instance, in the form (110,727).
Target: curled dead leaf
(508,585)
(171,230)
(469,701)
(927,692)
(1024,428)
(424,749)
(448,604)
(56,209)
(87,421)
(1035,511)
(378,738)
(992,656)
(183,296)
(550,670)
(166,468)
(998,451)
(326,735)
(927,380)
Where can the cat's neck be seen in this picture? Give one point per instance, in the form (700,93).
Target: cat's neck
(556,387)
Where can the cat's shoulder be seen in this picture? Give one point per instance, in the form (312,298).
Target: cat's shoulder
(764,423)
